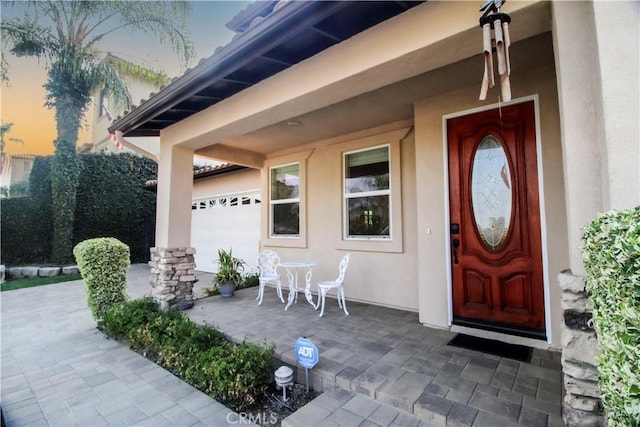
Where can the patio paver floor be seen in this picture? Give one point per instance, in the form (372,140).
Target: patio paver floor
(385,355)
(378,366)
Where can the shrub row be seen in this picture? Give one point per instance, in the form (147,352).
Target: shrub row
(236,375)
(612,260)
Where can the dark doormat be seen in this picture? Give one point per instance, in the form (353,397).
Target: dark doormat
(497,348)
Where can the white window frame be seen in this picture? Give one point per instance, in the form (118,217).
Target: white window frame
(299,241)
(392,138)
(346,196)
(272,203)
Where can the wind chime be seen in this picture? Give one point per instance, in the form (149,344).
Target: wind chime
(495,35)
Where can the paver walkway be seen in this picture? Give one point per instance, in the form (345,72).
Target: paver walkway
(379,367)
(57,369)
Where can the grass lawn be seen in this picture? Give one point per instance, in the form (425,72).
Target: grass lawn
(30,282)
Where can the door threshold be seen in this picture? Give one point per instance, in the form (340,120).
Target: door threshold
(511,339)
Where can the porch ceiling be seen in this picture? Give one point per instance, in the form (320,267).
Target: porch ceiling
(390,103)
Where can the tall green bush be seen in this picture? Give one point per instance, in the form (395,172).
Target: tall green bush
(612,260)
(25,222)
(103,264)
(65,175)
(111,202)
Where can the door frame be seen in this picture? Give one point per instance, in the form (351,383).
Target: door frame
(543,222)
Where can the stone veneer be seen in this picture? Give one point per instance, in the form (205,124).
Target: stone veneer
(582,405)
(172,275)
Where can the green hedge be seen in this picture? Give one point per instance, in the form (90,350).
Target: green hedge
(26,233)
(103,264)
(111,202)
(26,222)
(236,375)
(612,261)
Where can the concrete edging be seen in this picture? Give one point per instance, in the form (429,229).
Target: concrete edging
(36,271)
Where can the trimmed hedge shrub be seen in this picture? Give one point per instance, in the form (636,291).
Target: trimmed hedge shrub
(612,260)
(26,235)
(103,264)
(111,201)
(236,375)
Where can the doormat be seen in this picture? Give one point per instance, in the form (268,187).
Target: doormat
(521,353)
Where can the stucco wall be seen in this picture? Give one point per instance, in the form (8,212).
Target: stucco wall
(379,273)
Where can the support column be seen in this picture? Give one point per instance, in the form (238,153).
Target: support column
(582,405)
(618,41)
(597,76)
(579,96)
(172,260)
(172,277)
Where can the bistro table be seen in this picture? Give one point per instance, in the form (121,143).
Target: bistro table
(293,268)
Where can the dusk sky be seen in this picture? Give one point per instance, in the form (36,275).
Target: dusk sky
(21,101)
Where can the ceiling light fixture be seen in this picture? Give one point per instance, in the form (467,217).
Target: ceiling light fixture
(293,123)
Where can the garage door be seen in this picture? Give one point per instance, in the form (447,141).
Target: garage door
(227,221)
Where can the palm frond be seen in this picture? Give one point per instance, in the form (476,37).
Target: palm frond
(27,38)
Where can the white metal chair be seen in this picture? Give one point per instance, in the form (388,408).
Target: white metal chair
(268,262)
(338,285)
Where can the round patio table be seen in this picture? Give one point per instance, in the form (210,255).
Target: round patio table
(293,268)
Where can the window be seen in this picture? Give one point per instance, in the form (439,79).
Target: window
(284,216)
(367,194)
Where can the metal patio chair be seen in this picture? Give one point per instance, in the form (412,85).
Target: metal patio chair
(268,262)
(338,285)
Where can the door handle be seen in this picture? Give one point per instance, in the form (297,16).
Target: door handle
(456,243)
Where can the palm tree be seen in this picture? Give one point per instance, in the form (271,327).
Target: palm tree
(65,34)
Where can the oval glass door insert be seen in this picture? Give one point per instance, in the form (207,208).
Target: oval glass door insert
(491,192)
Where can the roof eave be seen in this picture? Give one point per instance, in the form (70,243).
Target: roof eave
(290,18)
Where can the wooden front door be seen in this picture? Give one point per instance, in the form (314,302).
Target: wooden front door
(497,273)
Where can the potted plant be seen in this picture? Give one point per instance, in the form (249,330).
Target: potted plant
(229,272)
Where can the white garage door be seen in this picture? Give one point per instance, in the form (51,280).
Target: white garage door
(228,221)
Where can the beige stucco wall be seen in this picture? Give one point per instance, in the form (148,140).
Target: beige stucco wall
(598,88)
(383,273)
(138,90)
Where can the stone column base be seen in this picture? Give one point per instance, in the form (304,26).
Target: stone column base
(582,405)
(172,276)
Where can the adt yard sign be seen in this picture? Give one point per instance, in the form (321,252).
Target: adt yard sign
(306,353)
